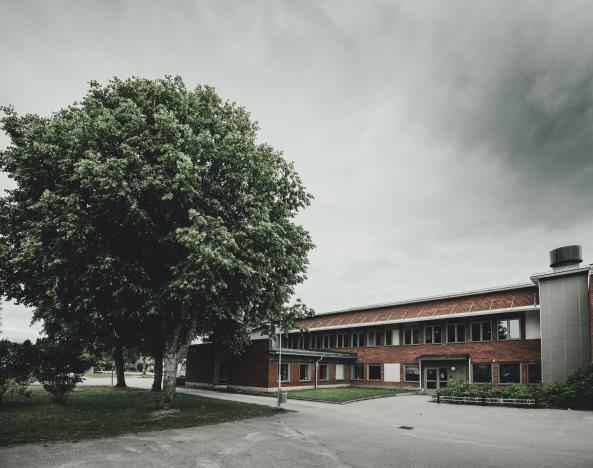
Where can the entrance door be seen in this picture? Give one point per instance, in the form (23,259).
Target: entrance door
(436,378)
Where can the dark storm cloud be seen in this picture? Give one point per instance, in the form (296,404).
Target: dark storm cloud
(448,144)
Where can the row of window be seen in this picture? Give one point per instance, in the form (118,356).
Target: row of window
(481,372)
(506,329)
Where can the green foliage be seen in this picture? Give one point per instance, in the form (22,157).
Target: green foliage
(148,213)
(16,361)
(575,393)
(59,367)
(180,381)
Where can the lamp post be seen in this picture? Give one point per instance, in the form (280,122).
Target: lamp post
(280,364)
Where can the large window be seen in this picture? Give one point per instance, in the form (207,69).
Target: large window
(482,331)
(373,338)
(534,372)
(482,373)
(412,336)
(509,329)
(342,340)
(357,339)
(284,372)
(323,372)
(339,371)
(456,333)
(432,334)
(509,373)
(328,341)
(304,375)
(357,372)
(392,337)
(411,373)
(374,372)
(301,342)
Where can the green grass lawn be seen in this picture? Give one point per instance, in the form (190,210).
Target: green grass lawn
(103,411)
(344,394)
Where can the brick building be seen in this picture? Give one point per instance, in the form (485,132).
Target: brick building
(526,333)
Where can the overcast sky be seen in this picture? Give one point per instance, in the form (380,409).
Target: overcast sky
(448,144)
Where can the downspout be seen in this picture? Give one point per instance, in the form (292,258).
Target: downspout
(317,371)
(420,374)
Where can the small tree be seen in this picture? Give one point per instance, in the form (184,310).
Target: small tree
(60,367)
(15,367)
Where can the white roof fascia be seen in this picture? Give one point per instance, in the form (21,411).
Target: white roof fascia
(477,313)
(560,272)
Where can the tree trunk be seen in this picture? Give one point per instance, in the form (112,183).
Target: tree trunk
(170,357)
(118,357)
(158,372)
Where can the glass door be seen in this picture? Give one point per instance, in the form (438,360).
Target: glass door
(443,377)
(431,379)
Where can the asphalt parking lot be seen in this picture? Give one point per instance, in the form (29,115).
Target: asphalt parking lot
(362,434)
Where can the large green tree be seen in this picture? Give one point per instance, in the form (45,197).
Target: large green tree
(150,203)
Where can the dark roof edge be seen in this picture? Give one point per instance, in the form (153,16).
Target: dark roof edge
(429,298)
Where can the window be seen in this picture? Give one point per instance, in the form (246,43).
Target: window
(284,372)
(482,373)
(300,342)
(316,342)
(482,331)
(323,374)
(392,337)
(509,329)
(304,373)
(357,372)
(374,338)
(357,339)
(411,373)
(432,334)
(328,341)
(339,371)
(534,372)
(456,333)
(411,336)
(342,341)
(509,373)
(374,371)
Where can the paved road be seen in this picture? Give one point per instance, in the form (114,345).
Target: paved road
(361,434)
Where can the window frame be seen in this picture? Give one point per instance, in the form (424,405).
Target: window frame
(412,336)
(326,372)
(510,364)
(308,379)
(391,332)
(508,320)
(432,335)
(345,339)
(377,339)
(529,364)
(353,372)
(474,372)
(369,372)
(343,372)
(331,339)
(287,364)
(315,340)
(457,325)
(405,373)
(360,339)
(481,324)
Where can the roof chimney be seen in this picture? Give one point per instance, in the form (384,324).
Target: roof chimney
(562,257)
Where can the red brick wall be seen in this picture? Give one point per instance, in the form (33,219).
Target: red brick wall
(200,363)
(250,369)
(294,374)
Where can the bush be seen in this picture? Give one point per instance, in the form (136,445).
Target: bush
(575,393)
(59,368)
(15,367)
(180,381)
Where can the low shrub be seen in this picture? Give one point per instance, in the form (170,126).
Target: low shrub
(59,368)
(16,362)
(575,393)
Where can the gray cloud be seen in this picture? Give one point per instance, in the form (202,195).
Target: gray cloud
(448,145)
